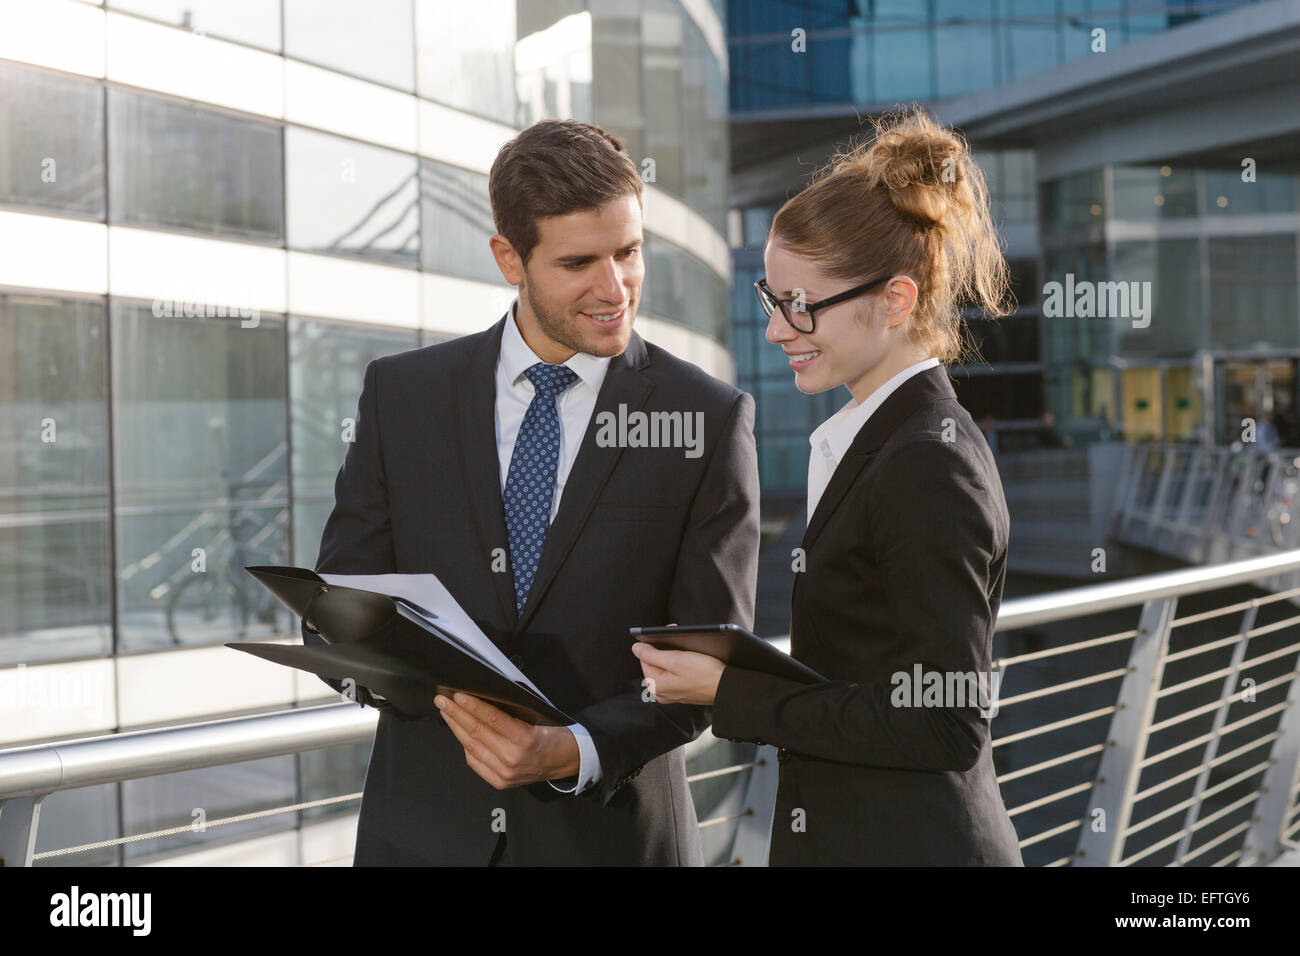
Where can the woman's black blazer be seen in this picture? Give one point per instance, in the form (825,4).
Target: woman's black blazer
(905,559)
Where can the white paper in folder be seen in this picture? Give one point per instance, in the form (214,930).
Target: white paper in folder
(434,602)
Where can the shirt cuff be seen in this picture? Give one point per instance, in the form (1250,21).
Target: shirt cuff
(588,762)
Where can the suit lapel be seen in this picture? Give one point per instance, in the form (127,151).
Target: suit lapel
(475,396)
(624,385)
(923,388)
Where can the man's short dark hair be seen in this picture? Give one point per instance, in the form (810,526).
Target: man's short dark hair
(553,168)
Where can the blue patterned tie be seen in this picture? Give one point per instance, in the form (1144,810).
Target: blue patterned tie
(530,482)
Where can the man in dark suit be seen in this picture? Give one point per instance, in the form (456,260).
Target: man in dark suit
(566,481)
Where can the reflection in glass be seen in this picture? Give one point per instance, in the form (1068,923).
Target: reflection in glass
(54,527)
(327,361)
(553,71)
(201,466)
(51,141)
(170,800)
(456,222)
(680,287)
(255,22)
(76,818)
(351,198)
(704,113)
(174,164)
(370,39)
(465,55)
(330,772)
(661,75)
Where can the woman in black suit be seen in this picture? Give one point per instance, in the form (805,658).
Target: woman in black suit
(901,570)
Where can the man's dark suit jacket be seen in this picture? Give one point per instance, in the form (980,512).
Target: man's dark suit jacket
(643,536)
(906,558)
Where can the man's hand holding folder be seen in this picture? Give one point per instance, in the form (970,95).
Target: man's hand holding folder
(403,637)
(505,751)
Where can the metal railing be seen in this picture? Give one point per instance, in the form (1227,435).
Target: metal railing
(28,775)
(1155,784)
(1208,505)
(1160,786)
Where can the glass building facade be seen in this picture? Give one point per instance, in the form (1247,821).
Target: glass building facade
(882,51)
(303,189)
(1221,253)
(1214,250)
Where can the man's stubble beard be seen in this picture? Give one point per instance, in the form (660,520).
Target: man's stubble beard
(558,330)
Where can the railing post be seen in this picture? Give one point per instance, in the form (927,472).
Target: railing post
(1239,515)
(1131,484)
(1226,696)
(18,820)
(1212,515)
(1162,489)
(1182,528)
(1264,838)
(754,832)
(1101,840)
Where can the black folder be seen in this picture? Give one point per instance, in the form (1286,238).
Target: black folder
(731,644)
(388,645)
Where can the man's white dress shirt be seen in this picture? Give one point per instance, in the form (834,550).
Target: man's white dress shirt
(831,441)
(574,407)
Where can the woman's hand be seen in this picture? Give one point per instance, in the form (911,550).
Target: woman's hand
(679,677)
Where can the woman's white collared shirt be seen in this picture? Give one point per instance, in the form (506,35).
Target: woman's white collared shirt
(833,437)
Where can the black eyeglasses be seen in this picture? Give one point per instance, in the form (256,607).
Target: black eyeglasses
(770,302)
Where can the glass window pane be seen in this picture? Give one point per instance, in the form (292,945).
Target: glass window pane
(372,39)
(965,56)
(75,818)
(1227,195)
(681,288)
(326,363)
(1030,38)
(456,222)
(256,22)
(351,198)
(51,141)
(332,772)
(54,553)
(1069,337)
(201,467)
(705,118)
(661,67)
(175,164)
(1012,339)
(553,65)
(1253,292)
(177,799)
(1172,270)
(902,64)
(466,55)
(1077,200)
(616,42)
(1147,193)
